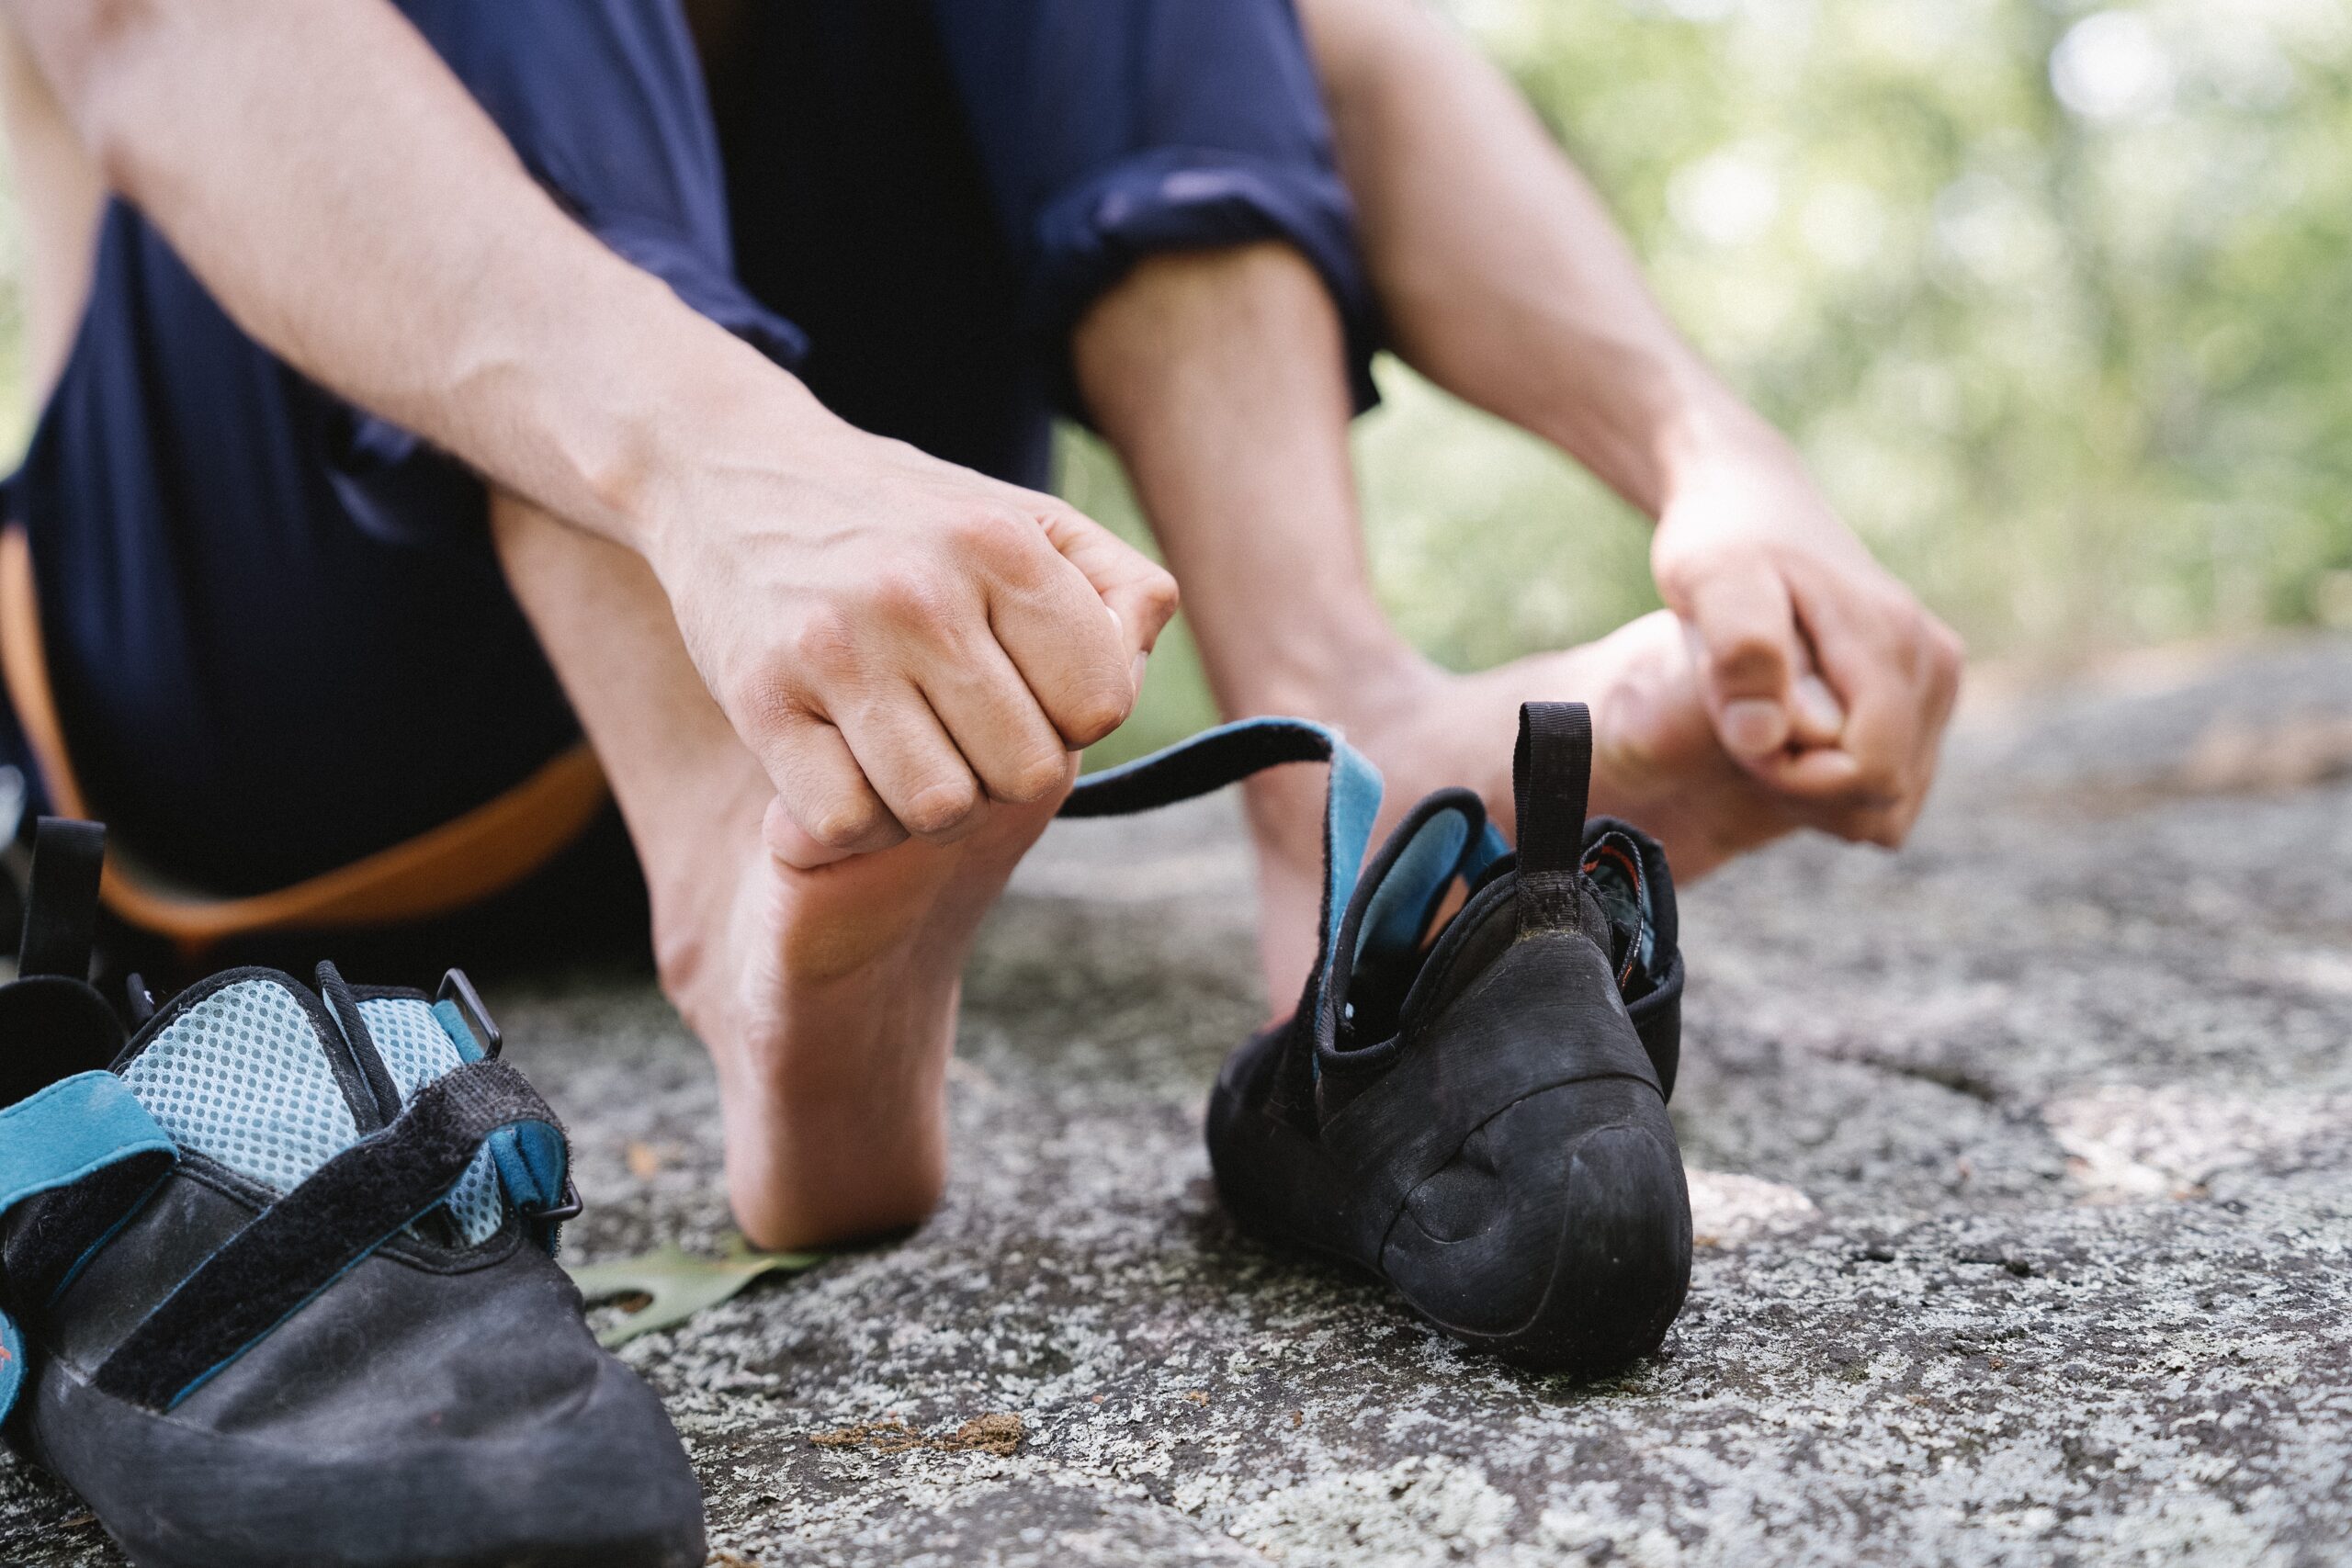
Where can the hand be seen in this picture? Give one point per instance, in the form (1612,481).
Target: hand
(1823,675)
(901,642)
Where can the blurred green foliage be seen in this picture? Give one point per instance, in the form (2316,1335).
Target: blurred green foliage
(2056,299)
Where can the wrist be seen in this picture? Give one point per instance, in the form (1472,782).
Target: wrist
(1654,423)
(1711,439)
(693,426)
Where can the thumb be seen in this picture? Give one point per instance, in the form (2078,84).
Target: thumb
(1744,634)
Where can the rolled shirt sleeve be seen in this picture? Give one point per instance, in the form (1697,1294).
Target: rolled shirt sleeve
(1112,129)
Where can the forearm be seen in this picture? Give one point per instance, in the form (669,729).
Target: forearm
(352,208)
(1502,275)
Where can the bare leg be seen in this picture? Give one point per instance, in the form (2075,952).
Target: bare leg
(827,998)
(1217,375)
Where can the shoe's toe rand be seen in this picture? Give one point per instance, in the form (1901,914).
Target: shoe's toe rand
(1559,1233)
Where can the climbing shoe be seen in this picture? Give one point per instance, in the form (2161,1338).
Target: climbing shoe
(280,1286)
(1476,1115)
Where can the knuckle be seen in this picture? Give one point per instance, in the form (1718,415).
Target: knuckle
(1095,713)
(1747,656)
(1162,596)
(940,807)
(1034,778)
(1670,567)
(825,642)
(910,596)
(767,713)
(841,815)
(989,533)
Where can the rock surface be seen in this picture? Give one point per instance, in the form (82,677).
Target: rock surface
(2022,1166)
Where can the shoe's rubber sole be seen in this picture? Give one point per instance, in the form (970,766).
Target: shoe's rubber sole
(433,1410)
(573,1498)
(1616,1269)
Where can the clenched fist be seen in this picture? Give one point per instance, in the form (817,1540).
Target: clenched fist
(900,641)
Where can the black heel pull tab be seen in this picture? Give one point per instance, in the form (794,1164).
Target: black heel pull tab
(61,898)
(1551,780)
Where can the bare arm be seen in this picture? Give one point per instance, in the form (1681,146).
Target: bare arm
(314,163)
(1486,242)
(899,640)
(1505,281)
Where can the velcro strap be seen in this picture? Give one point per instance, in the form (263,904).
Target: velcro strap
(1551,780)
(85,1129)
(301,1243)
(1200,763)
(1232,753)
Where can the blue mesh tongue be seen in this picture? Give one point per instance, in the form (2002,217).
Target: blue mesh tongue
(244,1076)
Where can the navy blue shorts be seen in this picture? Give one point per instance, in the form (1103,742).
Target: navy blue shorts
(277,636)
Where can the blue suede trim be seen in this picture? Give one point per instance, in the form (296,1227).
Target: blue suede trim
(75,1128)
(452,1020)
(531,1161)
(1231,752)
(1348,815)
(12,1363)
(72,1128)
(1491,846)
(1392,921)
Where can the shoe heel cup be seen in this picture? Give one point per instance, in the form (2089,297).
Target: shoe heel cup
(1585,1281)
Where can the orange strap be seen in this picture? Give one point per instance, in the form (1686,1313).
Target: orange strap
(489,848)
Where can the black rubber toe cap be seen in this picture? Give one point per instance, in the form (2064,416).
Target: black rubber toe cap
(597,1481)
(1559,1235)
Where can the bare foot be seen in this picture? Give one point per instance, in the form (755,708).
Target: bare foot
(827,998)
(1657,763)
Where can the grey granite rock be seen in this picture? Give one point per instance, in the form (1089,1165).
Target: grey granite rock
(2023,1170)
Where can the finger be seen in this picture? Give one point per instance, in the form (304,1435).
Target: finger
(824,809)
(1817,717)
(1883,660)
(1140,592)
(1745,641)
(1824,788)
(795,845)
(995,722)
(1072,651)
(911,763)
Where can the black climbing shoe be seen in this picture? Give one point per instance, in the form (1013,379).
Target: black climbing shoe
(1479,1119)
(281,1274)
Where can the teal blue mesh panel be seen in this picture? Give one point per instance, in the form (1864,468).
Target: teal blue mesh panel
(415,1052)
(242,1078)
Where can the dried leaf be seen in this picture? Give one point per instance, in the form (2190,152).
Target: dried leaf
(672,1285)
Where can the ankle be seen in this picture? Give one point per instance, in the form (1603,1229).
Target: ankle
(1363,684)
(824,1202)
